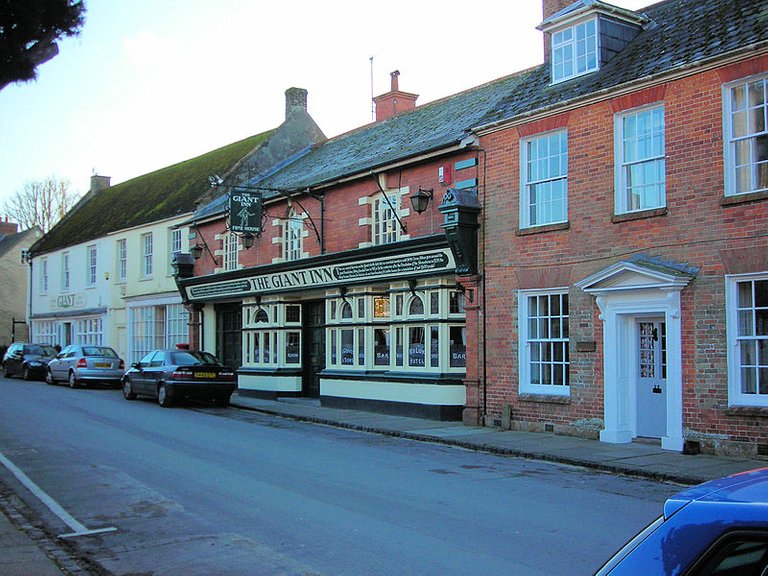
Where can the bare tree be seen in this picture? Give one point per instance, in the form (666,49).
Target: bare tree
(41,203)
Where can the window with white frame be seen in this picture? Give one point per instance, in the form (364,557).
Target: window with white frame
(174,246)
(543,342)
(146,255)
(544,175)
(229,243)
(90,255)
(44,332)
(747,313)
(640,163)
(574,51)
(272,335)
(158,326)
(421,331)
(44,275)
(385,225)
(746,129)
(88,331)
(293,228)
(122,260)
(65,271)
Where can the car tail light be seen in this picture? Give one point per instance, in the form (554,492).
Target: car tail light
(180,375)
(122,364)
(227,375)
(82,363)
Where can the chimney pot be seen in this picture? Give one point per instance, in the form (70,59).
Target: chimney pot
(393,76)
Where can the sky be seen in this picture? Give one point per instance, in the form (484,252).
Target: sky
(149,83)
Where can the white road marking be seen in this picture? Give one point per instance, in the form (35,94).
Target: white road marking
(78,528)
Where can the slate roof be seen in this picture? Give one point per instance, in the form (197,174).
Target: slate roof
(682,33)
(162,194)
(9,241)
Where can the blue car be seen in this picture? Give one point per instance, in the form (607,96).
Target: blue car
(719,528)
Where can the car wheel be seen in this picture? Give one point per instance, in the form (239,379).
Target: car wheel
(222,400)
(25,373)
(49,377)
(128,392)
(164,396)
(72,380)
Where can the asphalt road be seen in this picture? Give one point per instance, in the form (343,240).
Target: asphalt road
(201,490)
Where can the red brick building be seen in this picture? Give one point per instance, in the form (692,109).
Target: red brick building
(625,257)
(621,289)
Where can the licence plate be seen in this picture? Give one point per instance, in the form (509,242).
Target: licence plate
(205,374)
(102,365)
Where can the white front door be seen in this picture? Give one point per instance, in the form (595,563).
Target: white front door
(651,378)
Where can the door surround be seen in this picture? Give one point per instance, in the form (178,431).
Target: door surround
(626,292)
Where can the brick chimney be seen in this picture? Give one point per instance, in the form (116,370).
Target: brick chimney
(99,183)
(7,228)
(394,102)
(549,8)
(295,99)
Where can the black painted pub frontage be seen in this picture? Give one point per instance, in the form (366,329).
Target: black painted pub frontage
(379,328)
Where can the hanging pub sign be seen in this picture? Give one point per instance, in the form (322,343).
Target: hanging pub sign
(245,212)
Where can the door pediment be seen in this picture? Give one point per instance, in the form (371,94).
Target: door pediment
(635,275)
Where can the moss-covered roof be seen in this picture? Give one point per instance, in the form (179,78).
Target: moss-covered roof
(165,193)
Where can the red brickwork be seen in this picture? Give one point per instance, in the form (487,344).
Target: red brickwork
(697,228)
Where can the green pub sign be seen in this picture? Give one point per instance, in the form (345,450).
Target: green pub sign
(245,212)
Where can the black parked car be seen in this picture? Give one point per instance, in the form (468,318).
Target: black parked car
(172,375)
(27,360)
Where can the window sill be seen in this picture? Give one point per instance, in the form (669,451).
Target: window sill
(743,198)
(753,411)
(544,398)
(542,229)
(639,215)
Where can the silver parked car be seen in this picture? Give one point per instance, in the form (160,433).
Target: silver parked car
(80,364)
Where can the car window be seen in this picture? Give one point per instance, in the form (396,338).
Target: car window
(157,360)
(190,358)
(99,351)
(184,359)
(36,350)
(743,554)
(147,358)
(49,350)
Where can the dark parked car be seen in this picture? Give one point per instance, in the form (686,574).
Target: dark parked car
(719,528)
(173,375)
(80,364)
(27,360)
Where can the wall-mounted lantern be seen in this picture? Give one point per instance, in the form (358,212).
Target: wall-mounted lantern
(420,199)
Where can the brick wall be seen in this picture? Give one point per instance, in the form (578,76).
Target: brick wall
(696,228)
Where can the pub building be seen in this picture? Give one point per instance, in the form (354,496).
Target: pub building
(344,286)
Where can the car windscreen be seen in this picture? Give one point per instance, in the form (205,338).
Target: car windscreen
(40,350)
(187,358)
(103,351)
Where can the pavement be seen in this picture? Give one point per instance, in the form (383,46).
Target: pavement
(21,554)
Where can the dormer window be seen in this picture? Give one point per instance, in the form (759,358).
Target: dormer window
(584,36)
(574,51)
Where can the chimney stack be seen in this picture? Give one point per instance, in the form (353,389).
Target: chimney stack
(394,102)
(295,99)
(550,8)
(99,183)
(7,228)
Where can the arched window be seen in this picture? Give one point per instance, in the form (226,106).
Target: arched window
(417,306)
